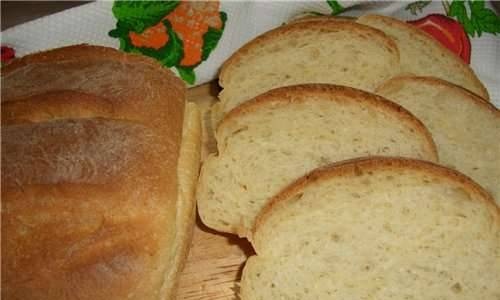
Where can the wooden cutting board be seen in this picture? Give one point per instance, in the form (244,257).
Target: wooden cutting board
(215,261)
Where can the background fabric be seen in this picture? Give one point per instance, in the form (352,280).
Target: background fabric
(237,22)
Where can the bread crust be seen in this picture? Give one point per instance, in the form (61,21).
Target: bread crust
(55,105)
(309,18)
(82,52)
(321,25)
(94,183)
(362,165)
(424,37)
(46,72)
(284,95)
(480,102)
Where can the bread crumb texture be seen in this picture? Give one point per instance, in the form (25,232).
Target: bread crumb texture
(465,127)
(281,135)
(377,229)
(336,52)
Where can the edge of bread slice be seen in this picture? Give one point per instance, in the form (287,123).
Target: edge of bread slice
(423,55)
(376,228)
(317,51)
(465,127)
(266,143)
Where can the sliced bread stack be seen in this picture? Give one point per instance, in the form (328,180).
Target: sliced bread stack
(279,136)
(378,228)
(323,51)
(338,189)
(465,127)
(359,54)
(422,55)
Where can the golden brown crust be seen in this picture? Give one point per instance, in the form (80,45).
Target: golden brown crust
(321,25)
(89,176)
(357,166)
(288,94)
(80,52)
(309,18)
(77,251)
(55,105)
(135,76)
(427,38)
(480,102)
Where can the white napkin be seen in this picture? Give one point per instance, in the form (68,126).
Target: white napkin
(91,23)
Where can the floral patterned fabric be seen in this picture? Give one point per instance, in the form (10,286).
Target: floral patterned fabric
(194,38)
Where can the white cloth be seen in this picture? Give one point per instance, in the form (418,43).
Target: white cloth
(90,23)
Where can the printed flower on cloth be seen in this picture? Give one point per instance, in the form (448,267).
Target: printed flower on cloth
(454,34)
(178,34)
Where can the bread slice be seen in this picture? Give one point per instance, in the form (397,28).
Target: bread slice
(100,156)
(268,142)
(324,51)
(465,127)
(423,55)
(378,228)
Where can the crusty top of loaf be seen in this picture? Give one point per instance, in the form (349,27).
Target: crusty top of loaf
(359,166)
(420,38)
(55,105)
(285,95)
(90,142)
(132,83)
(83,52)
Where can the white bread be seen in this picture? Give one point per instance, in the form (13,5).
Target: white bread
(423,55)
(100,157)
(465,127)
(324,51)
(266,143)
(378,228)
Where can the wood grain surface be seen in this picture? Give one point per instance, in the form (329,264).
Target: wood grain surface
(215,261)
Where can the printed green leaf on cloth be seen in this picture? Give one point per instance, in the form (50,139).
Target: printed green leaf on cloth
(138,15)
(179,34)
(477,19)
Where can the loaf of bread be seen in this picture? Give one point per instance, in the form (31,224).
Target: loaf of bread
(465,127)
(100,156)
(324,51)
(423,55)
(378,228)
(273,139)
